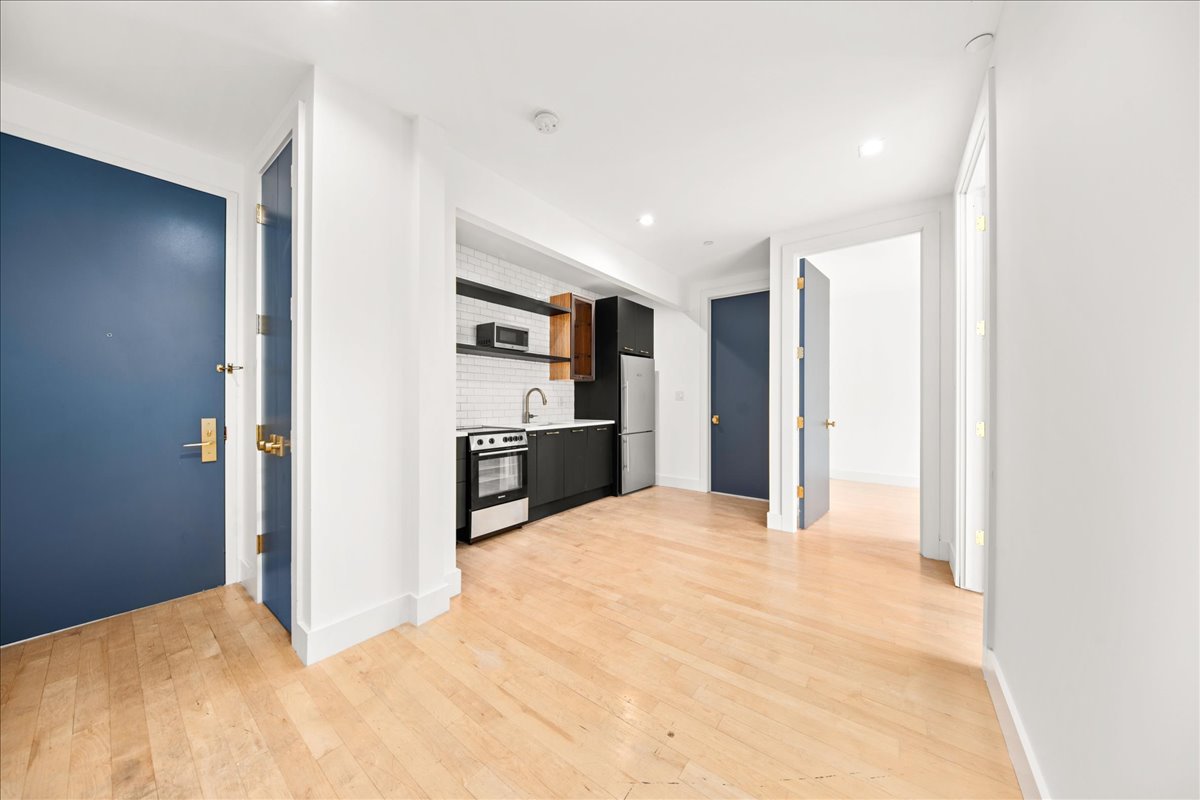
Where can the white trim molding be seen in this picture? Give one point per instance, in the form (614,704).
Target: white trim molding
(702,297)
(1016,738)
(933,219)
(313,645)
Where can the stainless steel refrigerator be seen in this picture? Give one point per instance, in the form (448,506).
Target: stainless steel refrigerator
(637,423)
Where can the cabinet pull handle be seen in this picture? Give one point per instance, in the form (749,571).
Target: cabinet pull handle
(553,433)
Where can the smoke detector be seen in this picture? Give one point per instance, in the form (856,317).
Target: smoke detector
(545,121)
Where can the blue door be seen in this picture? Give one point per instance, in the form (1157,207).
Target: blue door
(275,326)
(112,306)
(814,395)
(740,361)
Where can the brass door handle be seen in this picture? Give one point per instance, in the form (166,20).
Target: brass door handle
(228,368)
(831,423)
(273,445)
(716,419)
(208,440)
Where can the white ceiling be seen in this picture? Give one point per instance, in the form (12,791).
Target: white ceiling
(727,121)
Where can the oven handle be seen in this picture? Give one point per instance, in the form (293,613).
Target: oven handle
(501,452)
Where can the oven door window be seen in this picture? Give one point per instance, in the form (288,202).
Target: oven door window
(500,474)
(512,337)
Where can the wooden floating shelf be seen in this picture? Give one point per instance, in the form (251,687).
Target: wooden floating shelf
(500,352)
(502,297)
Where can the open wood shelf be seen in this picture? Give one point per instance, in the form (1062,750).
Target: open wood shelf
(500,352)
(503,297)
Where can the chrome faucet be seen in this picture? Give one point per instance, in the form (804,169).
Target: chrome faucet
(526,416)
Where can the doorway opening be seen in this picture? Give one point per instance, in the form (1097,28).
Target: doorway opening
(874,392)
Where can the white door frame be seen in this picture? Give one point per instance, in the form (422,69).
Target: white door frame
(977,155)
(980,150)
(292,126)
(786,252)
(731,287)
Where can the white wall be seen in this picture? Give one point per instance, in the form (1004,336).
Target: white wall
(875,360)
(680,351)
(491,391)
(375,308)
(1093,587)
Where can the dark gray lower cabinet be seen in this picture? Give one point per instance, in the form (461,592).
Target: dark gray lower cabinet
(575,461)
(599,469)
(548,481)
(460,503)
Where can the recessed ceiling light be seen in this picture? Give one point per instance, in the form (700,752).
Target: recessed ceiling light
(981,42)
(545,121)
(869,148)
(708,243)
(646,219)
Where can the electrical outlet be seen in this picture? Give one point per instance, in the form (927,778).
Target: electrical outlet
(679,395)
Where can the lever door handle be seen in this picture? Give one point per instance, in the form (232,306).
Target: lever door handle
(276,444)
(716,419)
(208,440)
(228,368)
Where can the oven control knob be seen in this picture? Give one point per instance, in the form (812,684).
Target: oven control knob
(479,441)
(491,441)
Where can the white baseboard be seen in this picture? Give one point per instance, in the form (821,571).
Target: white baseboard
(1029,775)
(314,645)
(691,484)
(910,481)
(778,522)
(250,580)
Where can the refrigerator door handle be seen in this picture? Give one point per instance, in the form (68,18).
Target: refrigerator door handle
(624,406)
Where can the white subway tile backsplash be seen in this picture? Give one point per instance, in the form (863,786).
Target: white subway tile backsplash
(491,390)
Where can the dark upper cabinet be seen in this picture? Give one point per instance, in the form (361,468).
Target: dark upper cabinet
(599,472)
(643,327)
(634,328)
(575,460)
(550,461)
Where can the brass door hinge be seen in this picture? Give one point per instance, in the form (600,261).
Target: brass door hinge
(261,324)
(258,544)
(800,492)
(799,423)
(226,439)
(800,351)
(981,223)
(980,429)
(260,214)
(980,327)
(800,282)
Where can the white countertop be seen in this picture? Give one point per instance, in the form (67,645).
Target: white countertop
(551,425)
(569,423)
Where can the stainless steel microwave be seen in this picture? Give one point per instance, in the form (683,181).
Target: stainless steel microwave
(498,334)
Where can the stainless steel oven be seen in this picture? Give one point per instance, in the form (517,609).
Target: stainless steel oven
(498,334)
(499,481)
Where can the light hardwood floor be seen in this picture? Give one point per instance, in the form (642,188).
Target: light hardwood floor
(660,645)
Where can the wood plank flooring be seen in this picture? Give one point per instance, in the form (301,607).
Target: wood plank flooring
(661,645)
